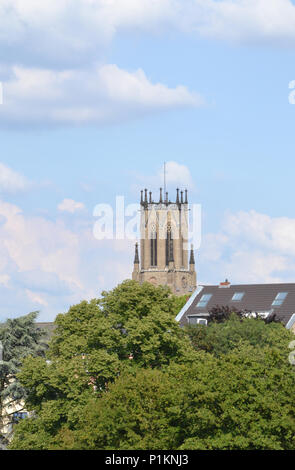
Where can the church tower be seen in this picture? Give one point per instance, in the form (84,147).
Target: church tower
(164,255)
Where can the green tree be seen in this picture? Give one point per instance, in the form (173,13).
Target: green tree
(243,401)
(222,337)
(19,338)
(133,326)
(179,302)
(240,400)
(132,319)
(123,375)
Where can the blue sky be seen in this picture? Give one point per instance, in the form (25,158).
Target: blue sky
(93,107)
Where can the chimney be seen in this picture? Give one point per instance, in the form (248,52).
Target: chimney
(226,283)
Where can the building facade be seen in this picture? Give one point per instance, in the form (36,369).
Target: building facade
(164,257)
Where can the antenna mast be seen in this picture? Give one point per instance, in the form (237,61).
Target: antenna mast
(164,178)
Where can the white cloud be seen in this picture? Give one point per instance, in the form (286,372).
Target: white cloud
(48,266)
(11,181)
(249,21)
(36,298)
(276,234)
(55,44)
(4,279)
(63,31)
(69,205)
(103,94)
(177,175)
(251,247)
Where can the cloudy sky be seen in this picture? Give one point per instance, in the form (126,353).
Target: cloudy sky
(97,94)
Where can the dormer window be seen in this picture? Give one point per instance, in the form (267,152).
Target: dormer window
(194,320)
(204,300)
(237,297)
(279,299)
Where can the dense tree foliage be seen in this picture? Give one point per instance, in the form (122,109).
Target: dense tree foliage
(241,400)
(223,336)
(133,326)
(122,374)
(19,338)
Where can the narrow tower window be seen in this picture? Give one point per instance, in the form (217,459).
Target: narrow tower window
(154,254)
(169,245)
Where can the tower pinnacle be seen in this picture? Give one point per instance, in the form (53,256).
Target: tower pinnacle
(136,257)
(192,256)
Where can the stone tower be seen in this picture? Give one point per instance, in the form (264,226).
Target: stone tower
(163,258)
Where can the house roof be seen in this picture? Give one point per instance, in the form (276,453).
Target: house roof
(257,298)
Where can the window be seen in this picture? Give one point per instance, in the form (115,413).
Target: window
(193,320)
(154,254)
(279,299)
(169,246)
(238,296)
(19,415)
(204,300)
